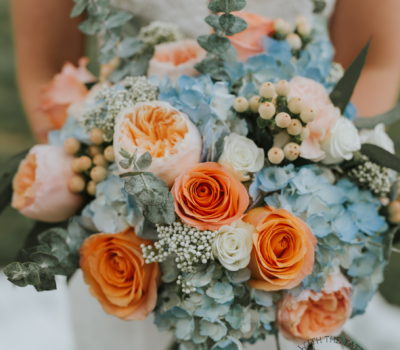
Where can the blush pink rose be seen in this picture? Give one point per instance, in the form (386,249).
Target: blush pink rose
(40,186)
(176,59)
(66,88)
(249,42)
(312,314)
(315,96)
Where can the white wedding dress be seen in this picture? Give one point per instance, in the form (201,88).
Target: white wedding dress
(93,328)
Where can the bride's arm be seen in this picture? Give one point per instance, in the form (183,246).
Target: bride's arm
(45,37)
(353,24)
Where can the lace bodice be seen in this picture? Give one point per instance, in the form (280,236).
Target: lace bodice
(190,14)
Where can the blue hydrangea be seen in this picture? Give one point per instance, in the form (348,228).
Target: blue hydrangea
(223,312)
(344,218)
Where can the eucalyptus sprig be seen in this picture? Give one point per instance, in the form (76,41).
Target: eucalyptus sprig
(114,29)
(149,191)
(218,46)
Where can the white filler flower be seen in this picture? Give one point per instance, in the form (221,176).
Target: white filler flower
(242,156)
(232,245)
(342,142)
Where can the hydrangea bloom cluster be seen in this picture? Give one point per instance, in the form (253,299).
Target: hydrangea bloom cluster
(223,312)
(345,219)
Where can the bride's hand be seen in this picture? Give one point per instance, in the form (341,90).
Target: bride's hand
(45,38)
(353,24)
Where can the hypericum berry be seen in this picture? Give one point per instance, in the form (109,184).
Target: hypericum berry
(255,104)
(283,120)
(296,105)
(292,151)
(85,163)
(267,110)
(93,150)
(304,29)
(282,88)
(294,41)
(72,146)
(76,184)
(109,154)
(96,136)
(241,104)
(295,128)
(276,155)
(98,173)
(100,160)
(267,90)
(307,115)
(282,27)
(300,20)
(91,188)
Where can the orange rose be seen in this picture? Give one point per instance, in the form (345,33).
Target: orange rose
(175,59)
(166,133)
(311,314)
(208,197)
(66,88)
(249,42)
(283,249)
(114,268)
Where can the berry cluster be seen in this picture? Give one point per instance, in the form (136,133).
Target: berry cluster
(298,36)
(90,163)
(286,118)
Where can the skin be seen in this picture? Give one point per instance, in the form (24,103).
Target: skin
(46,38)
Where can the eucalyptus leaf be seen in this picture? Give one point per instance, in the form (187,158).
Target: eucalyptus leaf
(79,7)
(387,118)
(147,189)
(130,47)
(163,213)
(226,6)
(22,274)
(144,161)
(118,19)
(90,26)
(343,90)
(232,24)
(381,157)
(213,21)
(214,43)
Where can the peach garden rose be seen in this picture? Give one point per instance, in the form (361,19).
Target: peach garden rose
(175,59)
(40,186)
(167,134)
(250,41)
(66,88)
(114,269)
(207,196)
(316,314)
(283,249)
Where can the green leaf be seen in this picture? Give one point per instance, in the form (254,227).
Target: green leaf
(381,157)
(147,189)
(343,90)
(130,47)
(232,24)
(214,44)
(214,67)
(387,118)
(79,7)
(144,161)
(6,177)
(226,6)
(22,274)
(90,26)
(161,214)
(213,21)
(117,19)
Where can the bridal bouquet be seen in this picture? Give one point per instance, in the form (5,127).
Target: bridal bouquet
(223,184)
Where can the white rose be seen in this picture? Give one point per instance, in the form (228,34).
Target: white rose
(233,244)
(378,137)
(342,141)
(241,155)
